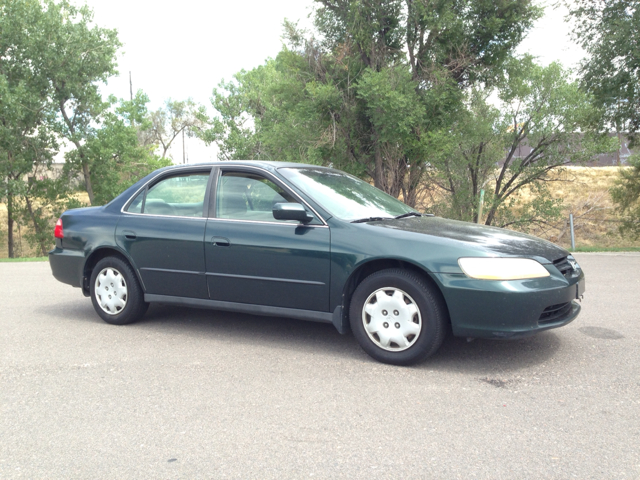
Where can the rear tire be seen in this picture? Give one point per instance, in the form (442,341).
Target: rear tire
(116,293)
(397,317)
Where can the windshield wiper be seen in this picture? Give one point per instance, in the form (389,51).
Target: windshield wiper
(371,219)
(377,219)
(410,214)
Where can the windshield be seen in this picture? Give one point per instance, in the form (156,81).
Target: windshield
(344,196)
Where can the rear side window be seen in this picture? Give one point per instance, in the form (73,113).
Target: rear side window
(136,205)
(178,196)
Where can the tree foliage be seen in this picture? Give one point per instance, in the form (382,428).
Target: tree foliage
(541,122)
(78,55)
(608,30)
(26,137)
(118,159)
(398,92)
(174,118)
(367,93)
(52,59)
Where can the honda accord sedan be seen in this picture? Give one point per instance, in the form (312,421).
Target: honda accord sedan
(312,243)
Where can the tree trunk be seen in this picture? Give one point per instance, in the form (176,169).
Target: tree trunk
(10,240)
(491,215)
(87,178)
(411,191)
(378,180)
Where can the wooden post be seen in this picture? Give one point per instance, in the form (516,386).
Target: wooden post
(573,238)
(480,205)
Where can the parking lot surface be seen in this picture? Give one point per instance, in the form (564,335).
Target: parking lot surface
(191,393)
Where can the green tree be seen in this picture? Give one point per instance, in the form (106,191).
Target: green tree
(175,118)
(118,158)
(76,56)
(52,58)
(26,137)
(608,30)
(542,122)
(367,95)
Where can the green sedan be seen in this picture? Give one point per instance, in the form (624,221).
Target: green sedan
(312,243)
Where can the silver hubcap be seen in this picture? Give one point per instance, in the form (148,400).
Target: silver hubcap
(111,291)
(392,319)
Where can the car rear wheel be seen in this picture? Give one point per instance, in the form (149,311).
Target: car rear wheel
(115,292)
(397,317)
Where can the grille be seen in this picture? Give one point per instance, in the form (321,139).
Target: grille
(564,266)
(554,313)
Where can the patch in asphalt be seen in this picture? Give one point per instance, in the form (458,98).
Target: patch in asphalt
(599,332)
(496,382)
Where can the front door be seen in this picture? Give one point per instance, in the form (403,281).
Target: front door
(253,258)
(163,232)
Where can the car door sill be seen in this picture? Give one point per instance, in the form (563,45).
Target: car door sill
(323,317)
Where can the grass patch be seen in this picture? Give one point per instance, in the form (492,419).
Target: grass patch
(606,249)
(24,259)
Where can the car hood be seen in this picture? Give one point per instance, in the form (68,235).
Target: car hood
(492,240)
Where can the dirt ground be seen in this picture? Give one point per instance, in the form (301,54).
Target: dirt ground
(585,194)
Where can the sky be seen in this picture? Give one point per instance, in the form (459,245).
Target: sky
(184,49)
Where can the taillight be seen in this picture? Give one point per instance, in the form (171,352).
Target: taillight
(58,233)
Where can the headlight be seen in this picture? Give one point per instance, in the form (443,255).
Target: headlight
(502,268)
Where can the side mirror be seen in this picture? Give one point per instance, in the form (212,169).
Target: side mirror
(291,211)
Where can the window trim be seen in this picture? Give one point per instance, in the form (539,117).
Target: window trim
(269,176)
(214,173)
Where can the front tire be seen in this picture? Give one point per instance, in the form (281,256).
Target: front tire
(397,317)
(115,292)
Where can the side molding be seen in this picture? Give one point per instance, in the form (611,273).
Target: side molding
(322,317)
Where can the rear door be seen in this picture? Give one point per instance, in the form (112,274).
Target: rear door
(253,258)
(162,229)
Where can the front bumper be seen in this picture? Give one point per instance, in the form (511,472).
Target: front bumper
(510,309)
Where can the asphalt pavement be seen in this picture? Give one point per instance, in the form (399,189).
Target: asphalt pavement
(193,394)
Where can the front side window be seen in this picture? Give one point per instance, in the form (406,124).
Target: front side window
(181,196)
(246,196)
(344,195)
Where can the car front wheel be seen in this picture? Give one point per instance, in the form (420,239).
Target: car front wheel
(115,292)
(397,317)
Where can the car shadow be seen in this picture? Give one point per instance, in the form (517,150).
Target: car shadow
(479,357)
(456,354)
(489,357)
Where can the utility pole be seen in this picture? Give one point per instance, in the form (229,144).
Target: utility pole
(133,123)
(184,160)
